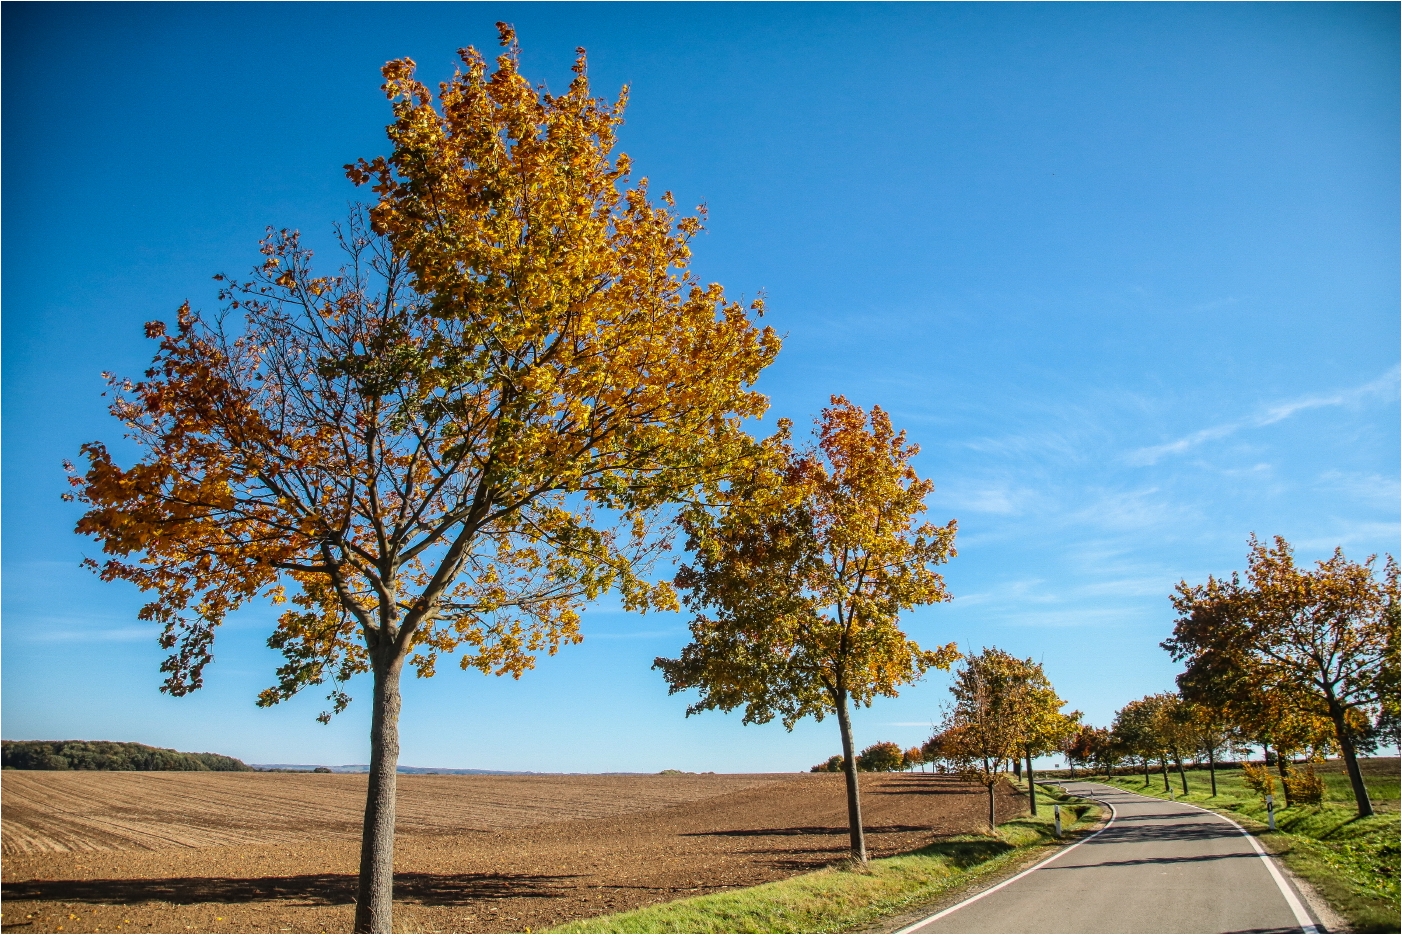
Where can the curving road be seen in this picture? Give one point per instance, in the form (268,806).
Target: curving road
(1158,866)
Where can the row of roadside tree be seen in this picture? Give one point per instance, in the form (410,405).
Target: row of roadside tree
(1299,663)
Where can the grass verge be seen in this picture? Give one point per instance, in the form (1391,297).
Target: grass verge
(1352,862)
(837,899)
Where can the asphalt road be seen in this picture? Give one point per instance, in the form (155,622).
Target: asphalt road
(1158,866)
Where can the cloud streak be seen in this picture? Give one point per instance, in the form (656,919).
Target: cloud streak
(1143,457)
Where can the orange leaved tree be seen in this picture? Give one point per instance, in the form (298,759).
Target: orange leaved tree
(450,443)
(798,579)
(1313,645)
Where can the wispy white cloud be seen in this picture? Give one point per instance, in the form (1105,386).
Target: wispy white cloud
(84,634)
(993,497)
(1351,536)
(1370,488)
(1132,510)
(1279,412)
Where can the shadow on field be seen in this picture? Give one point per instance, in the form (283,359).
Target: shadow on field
(313,889)
(796,832)
(926,784)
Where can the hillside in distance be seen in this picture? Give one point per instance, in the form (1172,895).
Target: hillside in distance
(110,755)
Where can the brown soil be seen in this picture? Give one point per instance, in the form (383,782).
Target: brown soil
(173,852)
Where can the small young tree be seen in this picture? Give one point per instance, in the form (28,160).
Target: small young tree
(937,751)
(1136,732)
(1176,730)
(1044,727)
(985,727)
(450,444)
(1105,750)
(1211,734)
(914,757)
(805,569)
(1080,747)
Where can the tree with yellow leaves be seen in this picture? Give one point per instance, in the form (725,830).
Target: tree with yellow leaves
(1043,726)
(1004,710)
(1317,644)
(455,440)
(799,575)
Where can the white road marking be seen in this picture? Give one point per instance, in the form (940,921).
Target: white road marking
(975,898)
(1301,916)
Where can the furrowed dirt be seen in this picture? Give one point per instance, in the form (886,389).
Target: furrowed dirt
(212,852)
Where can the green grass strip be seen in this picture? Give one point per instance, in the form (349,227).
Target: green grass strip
(1352,862)
(837,899)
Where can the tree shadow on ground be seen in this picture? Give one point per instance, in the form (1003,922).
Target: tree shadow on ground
(963,854)
(927,785)
(326,889)
(805,830)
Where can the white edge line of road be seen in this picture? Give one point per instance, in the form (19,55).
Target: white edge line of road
(1307,924)
(993,889)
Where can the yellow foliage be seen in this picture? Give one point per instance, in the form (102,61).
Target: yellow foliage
(1259,778)
(462,435)
(800,572)
(1304,787)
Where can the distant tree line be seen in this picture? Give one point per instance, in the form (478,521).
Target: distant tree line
(110,755)
(883,757)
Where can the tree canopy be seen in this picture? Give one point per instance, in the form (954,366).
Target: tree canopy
(1293,647)
(450,443)
(798,575)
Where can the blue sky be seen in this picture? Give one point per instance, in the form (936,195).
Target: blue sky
(1128,273)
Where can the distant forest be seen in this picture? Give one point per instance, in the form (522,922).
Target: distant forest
(107,754)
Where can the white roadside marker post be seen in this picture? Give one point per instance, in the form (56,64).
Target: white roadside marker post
(1270,811)
(1056,815)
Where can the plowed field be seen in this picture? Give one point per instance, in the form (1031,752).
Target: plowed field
(277,852)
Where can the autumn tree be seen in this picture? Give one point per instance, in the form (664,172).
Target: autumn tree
(984,728)
(883,757)
(1079,747)
(936,750)
(798,577)
(452,442)
(1043,726)
(1175,730)
(1211,732)
(914,757)
(1320,639)
(1105,750)
(1136,732)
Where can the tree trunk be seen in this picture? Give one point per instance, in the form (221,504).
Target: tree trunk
(849,769)
(374,907)
(1355,775)
(1281,769)
(1212,770)
(1031,785)
(1182,776)
(1146,770)
(1163,765)
(992,810)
